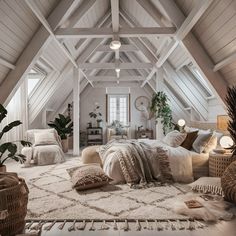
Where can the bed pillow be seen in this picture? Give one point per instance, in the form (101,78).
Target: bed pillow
(44,138)
(218,136)
(212,144)
(207,185)
(201,142)
(188,142)
(174,138)
(87,176)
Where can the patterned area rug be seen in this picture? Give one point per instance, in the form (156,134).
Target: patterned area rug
(52,197)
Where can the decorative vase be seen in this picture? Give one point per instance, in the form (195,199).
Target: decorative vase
(65,144)
(99,124)
(149,125)
(3,169)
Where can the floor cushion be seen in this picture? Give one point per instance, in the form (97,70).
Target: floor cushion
(90,155)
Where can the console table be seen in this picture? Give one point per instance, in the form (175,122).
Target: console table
(94,136)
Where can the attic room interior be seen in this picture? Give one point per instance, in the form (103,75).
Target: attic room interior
(117,117)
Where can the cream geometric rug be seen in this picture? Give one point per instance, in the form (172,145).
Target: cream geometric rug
(52,197)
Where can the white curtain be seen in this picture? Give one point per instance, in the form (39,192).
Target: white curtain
(17,110)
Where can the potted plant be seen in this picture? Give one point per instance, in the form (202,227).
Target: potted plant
(64,127)
(9,150)
(96,115)
(162,110)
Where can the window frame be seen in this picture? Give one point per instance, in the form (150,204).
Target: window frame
(108,106)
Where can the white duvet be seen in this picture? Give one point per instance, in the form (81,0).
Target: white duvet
(180,163)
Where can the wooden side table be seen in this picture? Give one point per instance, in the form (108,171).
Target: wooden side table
(218,163)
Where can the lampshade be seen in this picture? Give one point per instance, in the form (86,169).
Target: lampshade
(115,44)
(181,122)
(226,142)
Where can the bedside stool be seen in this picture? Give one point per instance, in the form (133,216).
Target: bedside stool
(218,163)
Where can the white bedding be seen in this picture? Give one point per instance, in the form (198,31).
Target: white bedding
(180,161)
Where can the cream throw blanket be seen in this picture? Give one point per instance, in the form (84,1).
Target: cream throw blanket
(140,163)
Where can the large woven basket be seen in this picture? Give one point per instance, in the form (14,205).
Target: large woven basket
(228,182)
(13,209)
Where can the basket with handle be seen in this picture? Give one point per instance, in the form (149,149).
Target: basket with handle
(13,208)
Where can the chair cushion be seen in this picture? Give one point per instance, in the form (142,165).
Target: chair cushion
(87,176)
(44,138)
(90,155)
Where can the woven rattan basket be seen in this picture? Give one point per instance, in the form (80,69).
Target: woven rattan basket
(218,163)
(228,182)
(13,209)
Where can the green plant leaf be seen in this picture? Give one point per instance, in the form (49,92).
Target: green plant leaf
(3,112)
(9,127)
(25,143)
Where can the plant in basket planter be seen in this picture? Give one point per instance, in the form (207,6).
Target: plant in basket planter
(64,127)
(9,150)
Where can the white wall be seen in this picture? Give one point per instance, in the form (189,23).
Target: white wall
(215,108)
(98,94)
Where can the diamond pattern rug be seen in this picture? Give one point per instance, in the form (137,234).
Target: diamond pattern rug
(52,197)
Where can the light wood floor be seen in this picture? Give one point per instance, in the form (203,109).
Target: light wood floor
(222,228)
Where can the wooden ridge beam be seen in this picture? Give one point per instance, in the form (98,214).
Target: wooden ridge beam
(98,78)
(123,48)
(108,32)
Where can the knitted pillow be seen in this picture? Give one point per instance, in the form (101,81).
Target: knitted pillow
(87,176)
(45,138)
(174,138)
(210,185)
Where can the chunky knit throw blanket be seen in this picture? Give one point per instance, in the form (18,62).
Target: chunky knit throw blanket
(140,163)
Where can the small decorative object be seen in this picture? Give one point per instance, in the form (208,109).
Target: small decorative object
(222,122)
(117,125)
(226,142)
(96,115)
(64,127)
(8,150)
(89,124)
(193,204)
(181,123)
(160,107)
(141,103)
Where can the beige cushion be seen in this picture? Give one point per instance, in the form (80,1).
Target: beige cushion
(87,176)
(90,155)
(174,138)
(211,144)
(201,142)
(44,138)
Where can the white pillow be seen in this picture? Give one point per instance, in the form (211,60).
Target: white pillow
(175,138)
(44,138)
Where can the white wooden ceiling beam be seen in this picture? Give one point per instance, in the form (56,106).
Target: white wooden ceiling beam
(32,52)
(44,22)
(87,78)
(101,21)
(114,78)
(228,60)
(108,33)
(79,13)
(196,52)
(124,66)
(123,48)
(151,9)
(7,64)
(115,15)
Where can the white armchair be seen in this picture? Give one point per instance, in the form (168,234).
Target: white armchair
(111,134)
(46,147)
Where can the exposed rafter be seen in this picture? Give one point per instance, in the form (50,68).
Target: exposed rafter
(108,33)
(125,66)
(115,15)
(228,60)
(44,22)
(123,48)
(114,78)
(33,51)
(195,51)
(7,64)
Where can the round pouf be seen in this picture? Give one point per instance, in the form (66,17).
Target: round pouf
(90,155)
(228,182)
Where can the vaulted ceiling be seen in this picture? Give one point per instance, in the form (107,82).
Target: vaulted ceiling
(185,47)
